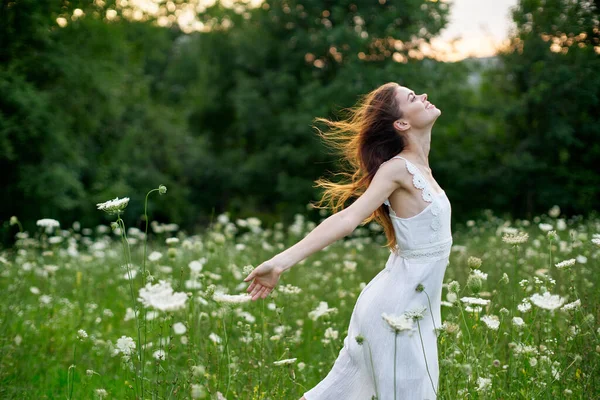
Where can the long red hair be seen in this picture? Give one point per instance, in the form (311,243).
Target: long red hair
(364,139)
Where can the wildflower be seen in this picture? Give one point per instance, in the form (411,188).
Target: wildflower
(159,354)
(198,391)
(474,262)
(484,384)
(454,287)
(552,235)
(179,328)
(504,278)
(491,321)
(125,345)
(48,223)
(81,334)
(171,240)
(571,306)
(398,322)
(162,189)
(554,211)
(114,206)
(596,241)
(162,297)
(545,227)
(517,238)
(322,309)
(13,220)
(475,300)
(284,362)
(155,256)
(289,289)
(198,370)
(566,263)
(231,298)
(547,301)
(524,306)
(479,274)
(416,313)
(475,283)
(420,287)
(518,321)
(214,337)
(101,393)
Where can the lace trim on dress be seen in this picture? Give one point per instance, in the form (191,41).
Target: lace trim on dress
(421,183)
(426,253)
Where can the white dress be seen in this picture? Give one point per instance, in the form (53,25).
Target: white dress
(422,255)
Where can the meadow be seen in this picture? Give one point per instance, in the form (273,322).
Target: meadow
(116,312)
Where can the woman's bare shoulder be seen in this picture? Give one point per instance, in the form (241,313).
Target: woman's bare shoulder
(395,169)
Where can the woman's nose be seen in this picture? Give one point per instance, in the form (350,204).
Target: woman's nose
(424,96)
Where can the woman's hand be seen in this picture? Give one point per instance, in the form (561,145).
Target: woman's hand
(265,276)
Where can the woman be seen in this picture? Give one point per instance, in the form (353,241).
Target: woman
(390,351)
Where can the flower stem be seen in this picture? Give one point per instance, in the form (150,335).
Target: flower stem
(426,366)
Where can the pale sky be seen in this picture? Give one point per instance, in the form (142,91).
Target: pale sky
(482,24)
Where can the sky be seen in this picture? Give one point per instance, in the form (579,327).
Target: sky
(482,25)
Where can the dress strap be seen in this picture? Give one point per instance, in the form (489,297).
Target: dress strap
(418,181)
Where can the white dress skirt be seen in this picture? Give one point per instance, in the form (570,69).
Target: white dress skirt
(366,371)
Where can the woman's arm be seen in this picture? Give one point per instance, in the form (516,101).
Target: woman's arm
(343,223)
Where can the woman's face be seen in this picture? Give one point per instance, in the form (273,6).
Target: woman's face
(417,111)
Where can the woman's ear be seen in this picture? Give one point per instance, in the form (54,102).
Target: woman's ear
(401,125)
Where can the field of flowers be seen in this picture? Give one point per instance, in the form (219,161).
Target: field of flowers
(117,312)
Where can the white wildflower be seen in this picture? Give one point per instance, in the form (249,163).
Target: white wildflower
(126,345)
(518,321)
(114,206)
(322,309)
(231,298)
(179,328)
(565,264)
(547,301)
(491,321)
(399,322)
(162,297)
(571,306)
(518,238)
(285,362)
(475,300)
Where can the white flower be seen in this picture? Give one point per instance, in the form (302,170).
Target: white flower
(565,264)
(596,241)
(231,298)
(214,337)
(179,328)
(524,306)
(289,289)
(162,297)
(284,362)
(48,223)
(155,256)
(198,391)
(479,274)
(81,334)
(130,274)
(197,265)
(545,227)
(114,206)
(491,321)
(475,300)
(484,384)
(101,393)
(331,333)
(517,238)
(518,321)
(398,322)
(172,240)
(547,301)
(554,211)
(571,306)
(322,309)
(159,354)
(126,345)
(416,313)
